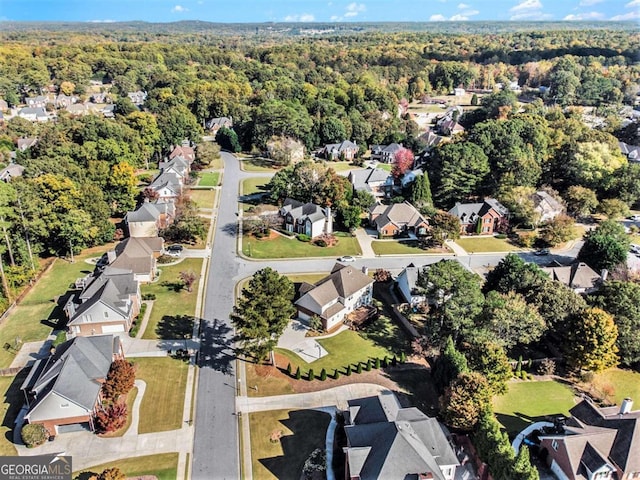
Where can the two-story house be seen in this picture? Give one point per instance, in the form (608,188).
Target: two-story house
(345,150)
(483,218)
(397,218)
(306,218)
(149,218)
(376,181)
(335,296)
(385,153)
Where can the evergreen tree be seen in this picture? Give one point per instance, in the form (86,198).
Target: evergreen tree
(421,192)
(449,365)
(323,374)
(312,375)
(298,374)
(522,468)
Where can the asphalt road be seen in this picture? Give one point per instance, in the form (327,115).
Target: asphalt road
(216,448)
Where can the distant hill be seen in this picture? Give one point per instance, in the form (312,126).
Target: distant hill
(302,29)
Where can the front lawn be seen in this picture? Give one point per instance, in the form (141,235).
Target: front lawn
(346,348)
(163,466)
(174,308)
(341,166)
(618,384)
(37,314)
(300,432)
(250,188)
(203,198)
(163,402)
(486,244)
(209,179)
(257,165)
(528,402)
(407,247)
(280,246)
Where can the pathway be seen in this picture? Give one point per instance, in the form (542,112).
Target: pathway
(365,240)
(145,317)
(457,249)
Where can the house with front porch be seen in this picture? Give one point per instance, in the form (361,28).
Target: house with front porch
(306,218)
(396,219)
(483,218)
(63,391)
(345,150)
(335,296)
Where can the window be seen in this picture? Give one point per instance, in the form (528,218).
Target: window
(554,445)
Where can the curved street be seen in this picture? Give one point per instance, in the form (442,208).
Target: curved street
(216,441)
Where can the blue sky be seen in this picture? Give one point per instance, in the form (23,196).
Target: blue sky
(317,10)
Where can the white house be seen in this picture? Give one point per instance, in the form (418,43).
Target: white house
(306,218)
(335,296)
(407,282)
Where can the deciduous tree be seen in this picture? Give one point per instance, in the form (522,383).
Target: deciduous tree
(591,341)
(466,400)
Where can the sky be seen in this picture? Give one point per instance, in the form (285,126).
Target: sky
(250,11)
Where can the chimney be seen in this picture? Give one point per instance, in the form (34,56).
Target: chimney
(626,406)
(365,270)
(604,274)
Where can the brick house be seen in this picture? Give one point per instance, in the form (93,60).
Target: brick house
(397,218)
(483,218)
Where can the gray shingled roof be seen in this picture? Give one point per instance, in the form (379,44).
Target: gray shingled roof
(74,371)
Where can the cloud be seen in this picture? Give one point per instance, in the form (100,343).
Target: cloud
(526,5)
(303,17)
(588,3)
(462,6)
(179,9)
(102,21)
(353,9)
(464,16)
(627,16)
(585,16)
(633,3)
(437,18)
(533,16)
(528,10)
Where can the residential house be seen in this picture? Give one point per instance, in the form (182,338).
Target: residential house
(137,98)
(595,443)
(410,177)
(286,149)
(345,150)
(149,218)
(184,151)
(407,282)
(78,109)
(632,152)
(459,92)
(108,302)
(215,124)
(546,206)
(385,153)
(376,181)
(138,254)
(385,440)
(63,101)
(37,102)
(26,142)
(451,127)
(62,391)
(578,276)
(34,114)
(397,218)
(102,97)
(108,111)
(178,165)
(306,218)
(483,218)
(12,170)
(167,186)
(335,296)
(432,139)
(448,123)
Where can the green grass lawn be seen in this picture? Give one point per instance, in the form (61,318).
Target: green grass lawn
(163,401)
(10,404)
(164,466)
(622,384)
(257,165)
(485,244)
(302,431)
(203,198)
(528,402)
(409,247)
(34,318)
(346,348)
(209,179)
(285,247)
(174,308)
(253,185)
(342,166)
(384,166)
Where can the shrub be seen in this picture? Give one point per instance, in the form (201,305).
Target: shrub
(385,362)
(112,418)
(519,366)
(376,365)
(312,375)
(367,365)
(34,434)
(289,369)
(348,371)
(320,243)
(527,239)
(501,236)
(317,462)
(298,374)
(336,374)
(120,379)
(149,296)
(323,375)
(359,368)
(547,367)
(394,361)
(403,357)
(303,238)
(113,473)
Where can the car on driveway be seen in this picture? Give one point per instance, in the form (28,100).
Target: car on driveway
(174,250)
(346,258)
(633,248)
(541,252)
(635,218)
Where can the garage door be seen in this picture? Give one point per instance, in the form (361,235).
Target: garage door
(113,328)
(73,427)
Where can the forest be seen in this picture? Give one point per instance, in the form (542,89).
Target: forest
(82,174)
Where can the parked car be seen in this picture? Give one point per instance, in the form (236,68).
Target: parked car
(346,258)
(635,218)
(174,250)
(542,251)
(634,248)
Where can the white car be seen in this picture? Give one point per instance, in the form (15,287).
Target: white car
(346,258)
(635,218)
(634,248)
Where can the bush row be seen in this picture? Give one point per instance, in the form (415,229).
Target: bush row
(367,366)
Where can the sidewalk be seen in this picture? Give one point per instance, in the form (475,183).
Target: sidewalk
(457,249)
(365,240)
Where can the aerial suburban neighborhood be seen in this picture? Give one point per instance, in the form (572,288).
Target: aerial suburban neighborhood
(303,250)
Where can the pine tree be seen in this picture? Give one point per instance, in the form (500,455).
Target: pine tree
(312,375)
(323,375)
(519,366)
(377,364)
(298,374)
(348,372)
(336,374)
(522,468)
(421,192)
(367,366)
(289,369)
(359,368)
